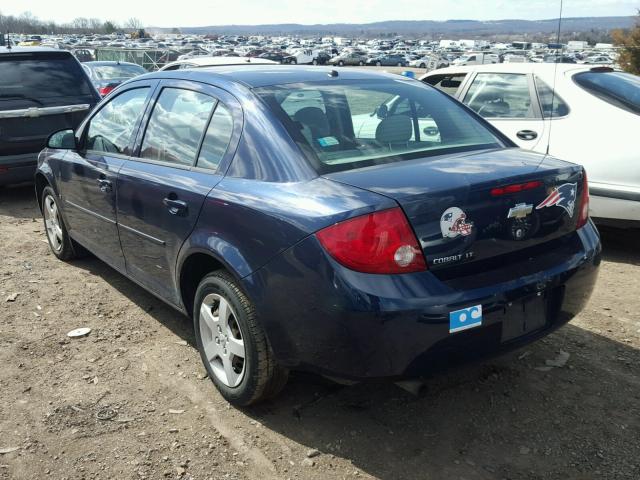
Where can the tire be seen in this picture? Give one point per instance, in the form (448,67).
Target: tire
(241,381)
(360,63)
(422,65)
(294,62)
(378,64)
(341,63)
(400,64)
(315,62)
(57,236)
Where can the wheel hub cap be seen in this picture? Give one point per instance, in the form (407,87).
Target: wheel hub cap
(222,340)
(52,223)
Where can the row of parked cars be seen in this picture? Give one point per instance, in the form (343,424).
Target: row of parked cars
(347,222)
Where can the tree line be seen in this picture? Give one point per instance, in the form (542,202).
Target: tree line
(28,23)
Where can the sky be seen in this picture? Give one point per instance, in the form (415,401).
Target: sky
(171,13)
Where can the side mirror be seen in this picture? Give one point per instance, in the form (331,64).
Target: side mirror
(63,139)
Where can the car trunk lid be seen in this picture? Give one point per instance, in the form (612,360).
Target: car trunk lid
(467,208)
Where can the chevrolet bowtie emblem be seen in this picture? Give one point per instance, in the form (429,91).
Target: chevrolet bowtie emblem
(521,210)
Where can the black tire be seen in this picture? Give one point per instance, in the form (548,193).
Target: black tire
(294,62)
(422,65)
(66,250)
(341,63)
(263,377)
(378,64)
(315,61)
(361,63)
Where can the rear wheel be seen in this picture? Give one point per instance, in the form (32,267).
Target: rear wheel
(57,235)
(341,63)
(378,64)
(232,344)
(294,62)
(422,65)
(361,63)
(315,61)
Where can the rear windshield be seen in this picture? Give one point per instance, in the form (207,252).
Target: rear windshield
(107,72)
(347,124)
(39,76)
(617,88)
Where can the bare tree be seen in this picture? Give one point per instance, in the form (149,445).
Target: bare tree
(133,24)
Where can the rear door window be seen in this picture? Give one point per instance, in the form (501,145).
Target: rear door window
(176,126)
(616,88)
(217,138)
(111,128)
(500,95)
(552,105)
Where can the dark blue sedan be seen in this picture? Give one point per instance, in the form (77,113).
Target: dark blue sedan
(355,224)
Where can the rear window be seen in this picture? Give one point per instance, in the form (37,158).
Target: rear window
(107,72)
(619,89)
(40,76)
(342,125)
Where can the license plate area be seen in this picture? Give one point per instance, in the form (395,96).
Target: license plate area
(524,317)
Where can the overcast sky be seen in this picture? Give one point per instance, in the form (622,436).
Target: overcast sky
(170,13)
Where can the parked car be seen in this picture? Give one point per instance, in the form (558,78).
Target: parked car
(388,60)
(293,243)
(430,62)
(41,90)
(200,62)
(591,110)
(274,57)
(553,58)
(476,59)
(351,58)
(108,75)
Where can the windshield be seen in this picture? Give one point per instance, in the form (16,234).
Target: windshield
(42,76)
(342,125)
(617,88)
(107,72)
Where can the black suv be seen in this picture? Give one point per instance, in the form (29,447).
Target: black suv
(41,91)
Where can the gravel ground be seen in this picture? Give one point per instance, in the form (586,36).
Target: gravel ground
(130,401)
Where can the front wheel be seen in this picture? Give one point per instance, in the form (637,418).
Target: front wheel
(341,63)
(315,61)
(294,62)
(378,64)
(422,65)
(232,343)
(57,235)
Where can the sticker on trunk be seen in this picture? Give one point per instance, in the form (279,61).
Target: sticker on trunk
(563,196)
(464,319)
(453,223)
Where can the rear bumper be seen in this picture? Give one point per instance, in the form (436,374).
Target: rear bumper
(322,317)
(18,168)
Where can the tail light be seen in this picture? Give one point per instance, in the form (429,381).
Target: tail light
(380,242)
(104,91)
(583,213)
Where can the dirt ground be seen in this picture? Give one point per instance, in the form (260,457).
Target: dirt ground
(130,401)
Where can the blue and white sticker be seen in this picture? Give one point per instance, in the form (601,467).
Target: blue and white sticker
(328,141)
(466,318)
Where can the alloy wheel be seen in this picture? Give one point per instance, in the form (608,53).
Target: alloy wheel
(52,223)
(222,340)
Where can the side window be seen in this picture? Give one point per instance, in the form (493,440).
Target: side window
(447,83)
(552,105)
(176,125)
(216,141)
(111,128)
(500,95)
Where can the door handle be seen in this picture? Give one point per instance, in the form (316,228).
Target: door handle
(175,206)
(527,135)
(105,185)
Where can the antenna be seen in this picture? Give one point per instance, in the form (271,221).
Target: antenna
(555,75)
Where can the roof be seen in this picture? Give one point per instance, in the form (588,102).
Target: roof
(542,69)
(105,63)
(202,61)
(255,76)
